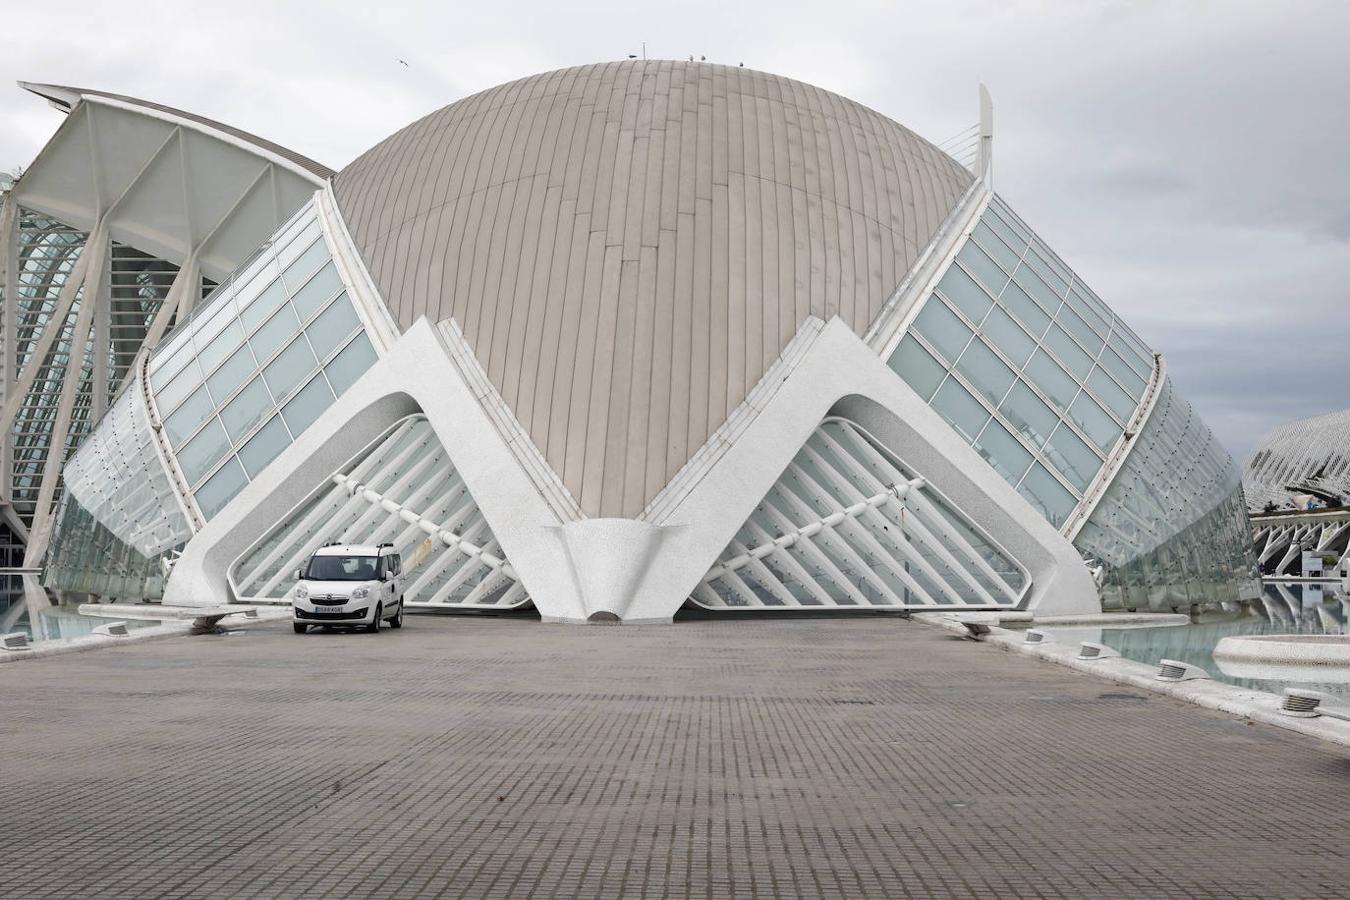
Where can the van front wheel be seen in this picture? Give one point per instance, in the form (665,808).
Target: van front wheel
(374,625)
(396,620)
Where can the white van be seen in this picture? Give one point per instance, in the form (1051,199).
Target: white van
(349,585)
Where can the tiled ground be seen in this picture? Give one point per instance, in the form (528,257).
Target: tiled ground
(491,757)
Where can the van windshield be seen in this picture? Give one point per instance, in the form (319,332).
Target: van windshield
(341,568)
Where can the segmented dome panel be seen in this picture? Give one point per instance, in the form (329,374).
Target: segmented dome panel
(627,246)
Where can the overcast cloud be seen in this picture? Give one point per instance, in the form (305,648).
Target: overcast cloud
(1187,158)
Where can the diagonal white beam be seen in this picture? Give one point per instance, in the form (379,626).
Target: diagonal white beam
(40,533)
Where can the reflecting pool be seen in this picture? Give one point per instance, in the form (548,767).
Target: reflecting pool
(59,622)
(1282,608)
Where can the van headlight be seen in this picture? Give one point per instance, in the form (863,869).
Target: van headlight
(301,592)
(361,593)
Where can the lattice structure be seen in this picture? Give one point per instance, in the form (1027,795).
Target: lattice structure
(1279,544)
(1304,457)
(403,490)
(849,525)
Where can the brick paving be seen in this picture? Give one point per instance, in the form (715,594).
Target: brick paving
(479,757)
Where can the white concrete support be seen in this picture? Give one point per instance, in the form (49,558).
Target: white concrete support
(984,160)
(634,570)
(9,287)
(42,347)
(40,533)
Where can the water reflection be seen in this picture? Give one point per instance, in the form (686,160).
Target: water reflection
(1281,609)
(28,608)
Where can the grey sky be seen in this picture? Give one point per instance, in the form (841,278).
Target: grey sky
(1186,158)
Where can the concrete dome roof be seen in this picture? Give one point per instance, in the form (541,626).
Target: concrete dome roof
(628,246)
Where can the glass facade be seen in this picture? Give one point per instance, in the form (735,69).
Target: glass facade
(260,360)
(120,515)
(47,254)
(86,556)
(1041,378)
(1025,362)
(268,353)
(1172,527)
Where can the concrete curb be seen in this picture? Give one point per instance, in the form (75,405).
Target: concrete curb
(1257,706)
(136,636)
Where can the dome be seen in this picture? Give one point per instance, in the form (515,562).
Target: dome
(628,246)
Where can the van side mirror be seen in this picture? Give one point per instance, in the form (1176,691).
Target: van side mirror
(299,574)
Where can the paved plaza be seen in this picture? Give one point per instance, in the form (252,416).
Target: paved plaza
(471,757)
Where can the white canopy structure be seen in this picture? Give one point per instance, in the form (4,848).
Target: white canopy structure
(129,214)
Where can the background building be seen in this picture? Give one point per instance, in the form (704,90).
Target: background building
(619,337)
(1301,462)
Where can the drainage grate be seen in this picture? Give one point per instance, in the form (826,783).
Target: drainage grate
(1302,704)
(14,641)
(1090,650)
(1171,670)
(1034,637)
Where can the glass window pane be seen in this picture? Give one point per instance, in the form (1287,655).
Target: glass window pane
(1119,402)
(264,446)
(215,319)
(316,292)
(1074,458)
(221,346)
(289,368)
(350,364)
(1005,334)
(1053,381)
(994,246)
(1094,421)
(333,325)
(270,338)
(955,404)
(232,374)
(1128,378)
(262,307)
(305,265)
(306,406)
(982,267)
(1047,495)
(296,241)
(220,488)
(943,329)
(986,372)
(1069,353)
(965,294)
(917,366)
(171,394)
(202,452)
(1038,289)
(1027,310)
(188,416)
(1090,313)
(1028,414)
(1049,274)
(1003,229)
(1130,354)
(172,364)
(1004,452)
(1074,325)
(246,409)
